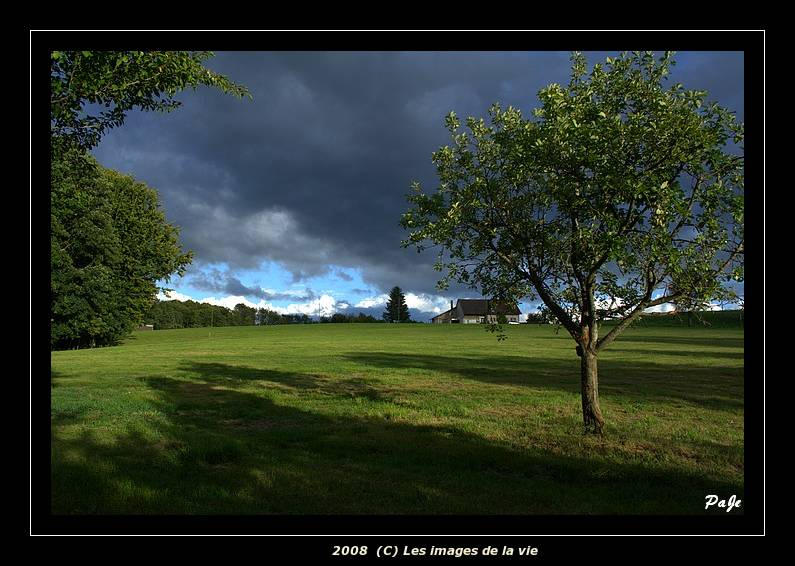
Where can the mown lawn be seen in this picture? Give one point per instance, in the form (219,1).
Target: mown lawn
(406,419)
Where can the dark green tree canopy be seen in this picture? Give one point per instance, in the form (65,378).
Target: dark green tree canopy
(245,315)
(115,82)
(267,316)
(110,243)
(396,308)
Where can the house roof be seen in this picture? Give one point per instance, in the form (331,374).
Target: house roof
(447,312)
(476,307)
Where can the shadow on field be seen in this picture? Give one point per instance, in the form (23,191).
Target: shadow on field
(711,343)
(628,336)
(220,374)
(651,354)
(214,449)
(637,380)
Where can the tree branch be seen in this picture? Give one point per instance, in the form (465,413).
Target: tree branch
(645,303)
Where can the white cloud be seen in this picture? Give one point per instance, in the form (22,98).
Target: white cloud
(229,301)
(325,305)
(372,302)
(172,296)
(665,307)
(427,303)
(668,307)
(421,302)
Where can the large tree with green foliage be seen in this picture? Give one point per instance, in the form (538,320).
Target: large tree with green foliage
(110,242)
(396,308)
(619,195)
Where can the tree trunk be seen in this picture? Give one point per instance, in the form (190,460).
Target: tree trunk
(589,375)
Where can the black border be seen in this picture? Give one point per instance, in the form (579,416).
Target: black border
(750,522)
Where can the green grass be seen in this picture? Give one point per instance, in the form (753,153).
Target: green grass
(376,418)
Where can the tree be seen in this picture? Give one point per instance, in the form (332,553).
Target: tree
(268,317)
(619,195)
(110,243)
(107,253)
(396,308)
(536,318)
(244,315)
(190,314)
(364,318)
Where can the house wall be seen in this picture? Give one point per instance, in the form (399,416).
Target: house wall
(490,319)
(458,313)
(509,318)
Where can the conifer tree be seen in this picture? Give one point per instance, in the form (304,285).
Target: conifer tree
(396,308)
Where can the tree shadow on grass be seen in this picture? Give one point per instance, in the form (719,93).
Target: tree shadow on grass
(215,449)
(224,374)
(639,381)
(713,342)
(716,342)
(648,353)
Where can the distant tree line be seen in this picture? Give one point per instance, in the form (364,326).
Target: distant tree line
(340,317)
(165,315)
(189,314)
(265,316)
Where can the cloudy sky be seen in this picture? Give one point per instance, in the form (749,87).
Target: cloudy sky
(292,200)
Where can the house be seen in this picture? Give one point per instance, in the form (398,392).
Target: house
(475,311)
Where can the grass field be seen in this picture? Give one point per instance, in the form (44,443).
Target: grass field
(377,418)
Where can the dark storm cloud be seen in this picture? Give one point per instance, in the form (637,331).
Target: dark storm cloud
(344,276)
(314,171)
(217,281)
